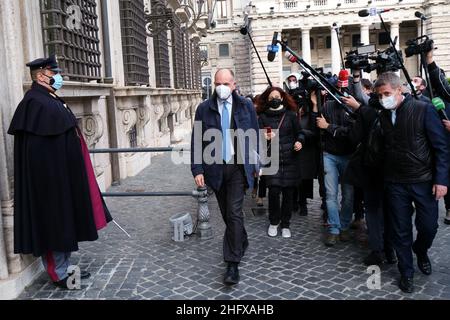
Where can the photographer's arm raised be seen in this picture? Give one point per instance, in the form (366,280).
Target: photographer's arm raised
(438,79)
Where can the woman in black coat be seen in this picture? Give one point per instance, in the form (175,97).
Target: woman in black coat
(309,157)
(276,111)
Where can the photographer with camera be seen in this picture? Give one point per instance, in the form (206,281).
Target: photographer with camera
(441,87)
(335,122)
(438,79)
(365,170)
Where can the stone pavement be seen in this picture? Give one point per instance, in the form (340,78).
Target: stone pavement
(152,266)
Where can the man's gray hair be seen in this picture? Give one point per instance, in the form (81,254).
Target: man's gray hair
(390,78)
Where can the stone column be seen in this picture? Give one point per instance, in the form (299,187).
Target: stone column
(365,34)
(437,27)
(306,45)
(365,40)
(395,32)
(335,54)
(3,182)
(11,54)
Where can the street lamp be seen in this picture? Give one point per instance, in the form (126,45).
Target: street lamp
(189,16)
(161,18)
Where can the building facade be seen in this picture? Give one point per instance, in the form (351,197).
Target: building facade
(132,78)
(307,26)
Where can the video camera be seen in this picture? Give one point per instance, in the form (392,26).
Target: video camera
(414,47)
(384,61)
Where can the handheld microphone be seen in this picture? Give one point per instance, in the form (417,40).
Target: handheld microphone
(440,107)
(290,57)
(371,12)
(273,48)
(420,15)
(343,79)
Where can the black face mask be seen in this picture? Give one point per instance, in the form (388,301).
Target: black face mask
(274,103)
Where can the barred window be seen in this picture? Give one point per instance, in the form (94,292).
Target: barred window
(178,57)
(356,40)
(224,50)
(70,31)
(133,137)
(161,50)
(197,76)
(134,42)
(188,61)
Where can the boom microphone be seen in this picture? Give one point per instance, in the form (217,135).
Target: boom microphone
(371,12)
(273,48)
(420,15)
(243,30)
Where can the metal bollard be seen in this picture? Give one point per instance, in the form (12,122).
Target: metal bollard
(204,227)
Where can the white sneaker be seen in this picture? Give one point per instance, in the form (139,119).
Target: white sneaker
(285,233)
(273,230)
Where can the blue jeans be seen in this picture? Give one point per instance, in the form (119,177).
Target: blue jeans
(334,170)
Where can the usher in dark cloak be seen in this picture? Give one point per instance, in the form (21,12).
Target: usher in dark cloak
(53,204)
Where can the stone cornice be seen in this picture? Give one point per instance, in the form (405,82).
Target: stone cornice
(79,89)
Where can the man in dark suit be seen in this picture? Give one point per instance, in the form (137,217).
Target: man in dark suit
(234,165)
(415,171)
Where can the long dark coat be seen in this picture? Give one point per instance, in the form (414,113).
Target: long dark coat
(288,174)
(53,210)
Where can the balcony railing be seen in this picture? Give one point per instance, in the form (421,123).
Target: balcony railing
(222,21)
(320,5)
(290,4)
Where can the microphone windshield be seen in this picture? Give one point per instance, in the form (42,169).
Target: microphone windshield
(418,14)
(438,104)
(244,30)
(363,13)
(343,79)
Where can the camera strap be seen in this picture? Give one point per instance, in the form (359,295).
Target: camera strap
(281,121)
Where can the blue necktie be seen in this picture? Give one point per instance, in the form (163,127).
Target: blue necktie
(226,150)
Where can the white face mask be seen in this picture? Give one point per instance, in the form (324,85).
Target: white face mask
(223,91)
(293,85)
(389,103)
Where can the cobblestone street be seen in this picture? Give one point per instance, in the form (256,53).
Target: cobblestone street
(152,266)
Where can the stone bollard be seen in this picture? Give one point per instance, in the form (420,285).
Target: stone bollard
(204,227)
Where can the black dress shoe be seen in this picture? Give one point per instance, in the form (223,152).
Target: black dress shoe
(406,284)
(61,283)
(83,274)
(232,274)
(424,263)
(391,257)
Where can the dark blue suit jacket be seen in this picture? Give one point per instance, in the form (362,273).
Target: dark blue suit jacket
(244,117)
